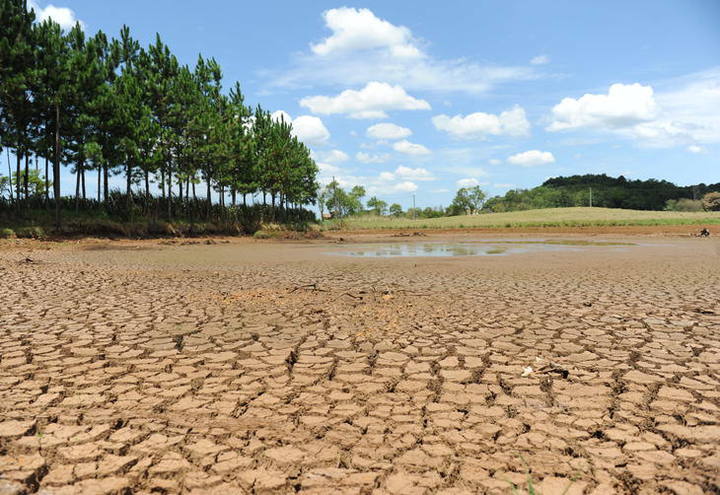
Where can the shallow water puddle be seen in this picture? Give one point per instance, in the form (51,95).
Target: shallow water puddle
(447,250)
(472,248)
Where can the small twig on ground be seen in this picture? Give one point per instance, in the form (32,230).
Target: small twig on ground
(313,287)
(347,294)
(405,291)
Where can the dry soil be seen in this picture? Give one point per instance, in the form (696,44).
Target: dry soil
(261,367)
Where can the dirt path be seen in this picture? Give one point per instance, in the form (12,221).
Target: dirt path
(272,368)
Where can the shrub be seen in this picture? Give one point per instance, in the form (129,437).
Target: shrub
(161,228)
(31,232)
(711,201)
(7,234)
(683,204)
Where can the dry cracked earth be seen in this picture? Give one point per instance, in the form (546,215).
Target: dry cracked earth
(275,368)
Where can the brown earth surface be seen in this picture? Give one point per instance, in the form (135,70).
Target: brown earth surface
(261,367)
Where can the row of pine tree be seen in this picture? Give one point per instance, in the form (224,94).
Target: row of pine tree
(102,107)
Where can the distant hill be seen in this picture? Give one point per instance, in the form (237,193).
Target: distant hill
(607,192)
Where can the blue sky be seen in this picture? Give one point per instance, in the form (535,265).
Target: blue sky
(423,97)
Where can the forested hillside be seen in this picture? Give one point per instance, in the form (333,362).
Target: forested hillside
(603,191)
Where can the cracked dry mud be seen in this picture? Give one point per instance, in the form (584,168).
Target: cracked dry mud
(272,368)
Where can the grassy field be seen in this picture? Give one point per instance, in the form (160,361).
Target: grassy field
(550,217)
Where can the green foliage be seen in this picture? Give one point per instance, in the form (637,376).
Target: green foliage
(5,187)
(341,203)
(683,204)
(35,182)
(33,232)
(468,201)
(607,192)
(711,201)
(377,206)
(7,233)
(109,106)
(395,210)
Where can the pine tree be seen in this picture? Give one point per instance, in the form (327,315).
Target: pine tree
(17,72)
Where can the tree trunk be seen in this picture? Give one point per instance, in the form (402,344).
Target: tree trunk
(162,181)
(105,183)
(26,181)
(77,188)
(233,193)
(209,199)
(147,184)
(128,189)
(82,172)
(99,186)
(47,181)
(7,152)
(18,173)
(169,201)
(56,165)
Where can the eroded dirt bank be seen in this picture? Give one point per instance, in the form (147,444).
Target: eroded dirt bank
(271,368)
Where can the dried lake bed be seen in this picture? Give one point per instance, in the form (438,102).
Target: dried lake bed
(586,363)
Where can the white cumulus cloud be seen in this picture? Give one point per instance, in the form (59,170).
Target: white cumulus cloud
(360,29)
(307,128)
(372,157)
(409,148)
(622,106)
(332,156)
(418,174)
(468,182)
(387,130)
(694,148)
(387,176)
(327,169)
(385,183)
(540,60)
(370,102)
(479,125)
(683,111)
(532,158)
(362,47)
(406,186)
(64,16)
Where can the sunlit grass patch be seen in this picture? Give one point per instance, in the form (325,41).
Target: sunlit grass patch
(549,217)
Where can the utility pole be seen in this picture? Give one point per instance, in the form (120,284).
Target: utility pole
(335,198)
(414,210)
(9,174)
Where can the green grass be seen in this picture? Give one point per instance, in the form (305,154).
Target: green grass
(550,217)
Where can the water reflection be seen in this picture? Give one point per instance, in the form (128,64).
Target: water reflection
(431,250)
(496,247)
